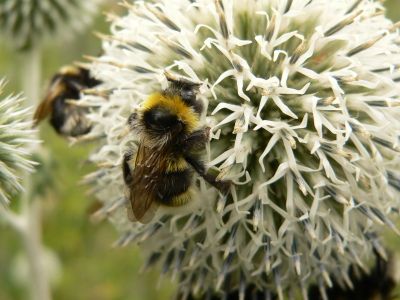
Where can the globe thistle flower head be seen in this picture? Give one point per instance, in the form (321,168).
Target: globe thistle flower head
(27,22)
(15,140)
(302,98)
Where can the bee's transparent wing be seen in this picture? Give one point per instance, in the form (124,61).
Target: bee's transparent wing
(45,107)
(147,175)
(148,215)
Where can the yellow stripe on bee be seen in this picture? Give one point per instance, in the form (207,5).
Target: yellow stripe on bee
(181,199)
(69,70)
(174,165)
(176,105)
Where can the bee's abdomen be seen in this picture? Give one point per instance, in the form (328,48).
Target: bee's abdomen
(175,164)
(174,190)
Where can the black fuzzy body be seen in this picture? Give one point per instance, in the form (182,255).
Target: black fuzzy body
(68,119)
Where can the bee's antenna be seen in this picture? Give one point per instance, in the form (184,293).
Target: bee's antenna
(180,81)
(185,88)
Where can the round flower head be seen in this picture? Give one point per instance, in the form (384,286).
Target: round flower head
(302,98)
(15,139)
(26,22)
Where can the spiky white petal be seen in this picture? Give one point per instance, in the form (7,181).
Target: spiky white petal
(15,141)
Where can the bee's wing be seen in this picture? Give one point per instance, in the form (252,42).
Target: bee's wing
(45,107)
(147,175)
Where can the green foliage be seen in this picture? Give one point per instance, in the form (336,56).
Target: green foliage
(393,9)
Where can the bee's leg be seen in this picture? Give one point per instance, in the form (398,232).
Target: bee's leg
(132,118)
(198,166)
(126,170)
(196,140)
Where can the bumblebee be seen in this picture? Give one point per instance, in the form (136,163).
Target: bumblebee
(66,118)
(171,139)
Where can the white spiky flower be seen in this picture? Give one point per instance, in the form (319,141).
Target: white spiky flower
(303,100)
(27,22)
(15,141)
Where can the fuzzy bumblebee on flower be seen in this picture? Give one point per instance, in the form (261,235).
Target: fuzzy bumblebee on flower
(301,99)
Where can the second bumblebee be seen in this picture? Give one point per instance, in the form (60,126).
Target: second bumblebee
(66,118)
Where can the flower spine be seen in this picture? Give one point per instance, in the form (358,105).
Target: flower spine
(15,141)
(303,101)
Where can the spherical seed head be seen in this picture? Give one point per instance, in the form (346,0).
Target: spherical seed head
(15,141)
(27,22)
(303,101)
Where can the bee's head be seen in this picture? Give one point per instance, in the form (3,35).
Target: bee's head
(185,89)
(77,77)
(163,118)
(160,120)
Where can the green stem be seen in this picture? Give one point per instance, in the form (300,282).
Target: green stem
(31,209)
(31,237)
(31,75)
(31,78)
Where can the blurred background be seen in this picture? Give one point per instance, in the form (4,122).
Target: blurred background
(86,265)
